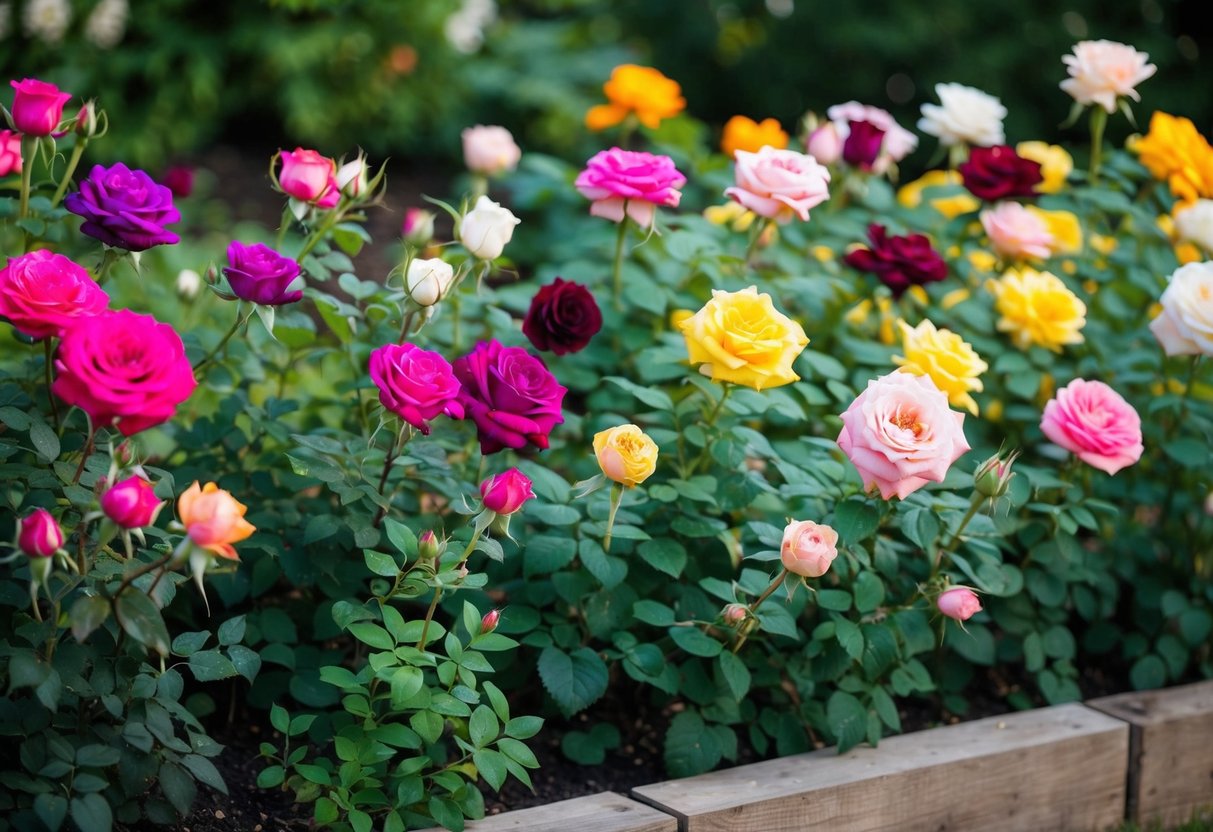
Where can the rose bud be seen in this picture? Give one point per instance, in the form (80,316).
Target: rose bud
(489,622)
(808,548)
(486,229)
(959,602)
(863,143)
(563,317)
(825,145)
(131,503)
(505,493)
(993,477)
(37,106)
(429,547)
(418,226)
(124,454)
(352,178)
(306,175)
(86,120)
(734,614)
(428,281)
(39,535)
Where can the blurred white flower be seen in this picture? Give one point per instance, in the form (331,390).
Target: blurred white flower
(6,19)
(189,282)
(465,28)
(47,19)
(964,115)
(107,23)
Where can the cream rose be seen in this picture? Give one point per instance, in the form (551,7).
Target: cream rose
(1185,326)
(1194,224)
(427,281)
(1101,71)
(486,229)
(964,114)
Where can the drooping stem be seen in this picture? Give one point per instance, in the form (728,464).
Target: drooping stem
(974,505)
(616,499)
(617,273)
(236,326)
(766,593)
(77,152)
(46,346)
(1099,120)
(429,615)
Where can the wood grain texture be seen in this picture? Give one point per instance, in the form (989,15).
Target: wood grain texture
(605,812)
(1171,760)
(1059,768)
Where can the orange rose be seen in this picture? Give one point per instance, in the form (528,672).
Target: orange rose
(213,519)
(637,89)
(742,133)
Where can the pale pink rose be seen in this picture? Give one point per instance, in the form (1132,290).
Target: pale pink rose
(1017,233)
(825,144)
(1185,325)
(900,434)
(808,548)
(959,602)
(1101,71)
(1093,421)
(490,150)
(898,141)
(779,184)
(632,182)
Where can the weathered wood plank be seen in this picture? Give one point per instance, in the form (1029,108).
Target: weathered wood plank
(1059,768)
(1171,750)
(605,812)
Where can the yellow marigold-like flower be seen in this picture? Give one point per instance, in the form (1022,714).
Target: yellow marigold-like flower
(1174,151)
(742,133)
(910,194)
(1055,164)
(741,337)
(639,90)
(626,454)
(1065,228)
(1038,308)
(946,358)
(733,214)
(213,519)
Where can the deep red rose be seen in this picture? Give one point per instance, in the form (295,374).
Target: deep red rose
(899,262)
(563,317)
(510,395)
(179,179)
(862,146)
(994,173)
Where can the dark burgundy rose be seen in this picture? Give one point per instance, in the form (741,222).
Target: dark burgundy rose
(563,317)
(179,179)
(510,395)
(994,173)
(259,274)
(899,262)
(862,146)
(124,208)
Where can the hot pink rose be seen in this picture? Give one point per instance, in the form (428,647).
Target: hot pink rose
(39,534)
(37,106)
(123,368)
(10,152)
(510,394)
(959,602)
(779,184)
(1090,419)
(308,176)
(415,384)
(632,182)
(808,548)
(132,503)
(43,293)
(900,434)
(1017,233)
(505,493)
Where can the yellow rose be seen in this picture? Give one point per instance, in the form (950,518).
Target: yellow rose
(742,133)
(1037,308)
(1055,164)
(1174,151)
(910,194)
(638,90)
(742,338)
(625,454)
(1065,228)
(954,206)
(946,358)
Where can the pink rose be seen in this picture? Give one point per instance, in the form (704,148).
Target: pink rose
(10,152)
(308,176)
(959,602)
(1101,71)
(825,144)
(1017,233)
(124,368)
(1090,419)
(808,548)
(415,384)
(900,434)
(131,503)
(489,150)
(39,535)
(779,184)
(505,493)
(37,106)
(630,181)
(43,294)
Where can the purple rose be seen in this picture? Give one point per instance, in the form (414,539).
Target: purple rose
(259,274)
(510,395)
(124,208)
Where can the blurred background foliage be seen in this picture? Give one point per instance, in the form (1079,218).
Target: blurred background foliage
(402,79)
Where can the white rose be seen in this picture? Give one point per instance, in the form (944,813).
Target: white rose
(427,281)
(1195,224)
(189,282)
(490,150)
(486,229)
(1185,326)
(351,177)
(964,114)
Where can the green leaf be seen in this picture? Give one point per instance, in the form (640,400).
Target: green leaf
(736,675)
(326,811)
(1148,672)
(523,727)
(653,612)
(51,809)
(141,620)
(232,631)
(91,813)
(279,718)
(187,644)
(46,441)
(247,662)
(447,813)
(372,634)
(855,520)
(652,397)
(483,727)
(402,537)
(689,747)
(543,554)
(97,756)
(428,725)
(360,820)
(848,720)
(88,613)
(380,564)
(838,600)
(868,591)
(850,636)
(885,708)
(210,665)
(695,641)
(406,681)
(664,555)
(204,771)
(178,787)
(320,527)
(497,699)
(491,765)
(575,680)
(518,752)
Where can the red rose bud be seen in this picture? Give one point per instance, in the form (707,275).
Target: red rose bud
(37,106)
(993,477)
(418,227)
(994,173)
(734,614)
(862,146)
(131,503)
(179,179)
(959,602)
(489,622)
(429,547)
(563,317)
(505,493)
(39,535)
(899,262)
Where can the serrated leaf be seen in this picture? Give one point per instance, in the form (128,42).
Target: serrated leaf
(848,720)
(575,680)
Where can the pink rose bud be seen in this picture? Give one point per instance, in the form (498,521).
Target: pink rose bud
(734,614)
(124,453)
(131,503)
(352,177)
(506,492)
(39,535)
(429,547)
(489,622)
(993,477)
(825,144)
(307,176)
(959,602)
(808,548)
(418,226)
(10,152)
(86,120)
(37,106)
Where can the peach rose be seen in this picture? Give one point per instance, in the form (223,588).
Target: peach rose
(1185,326)
(213,519)
(779,184)
(489,150)
(808,548)
(900,434)
(1101,71)
(1093,421)
(1017,233)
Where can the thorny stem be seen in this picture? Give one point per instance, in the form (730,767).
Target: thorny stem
(767,593)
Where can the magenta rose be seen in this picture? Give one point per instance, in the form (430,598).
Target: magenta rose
(10,152)
(632,182)
(37,106)
(998,172)
(39,534)
(308,176)
(900,434)
(505,493)
(415,384)
(125,369)
(259,274)
(131,503)
(43,294)
(1093,421)
(778,184)
(862,146)
(510,395)
(899,262)
(563,317)
(124,208)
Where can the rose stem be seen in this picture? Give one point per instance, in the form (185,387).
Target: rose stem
(223,343)
(617,274)
(46,345)
(775,584)
(86,453)
(77,152)
(398,443)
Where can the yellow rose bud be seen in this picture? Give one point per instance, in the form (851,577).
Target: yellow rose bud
(983,261)
(741,337)
(1038,308)
(946,358)
(1055,164)
(625,454)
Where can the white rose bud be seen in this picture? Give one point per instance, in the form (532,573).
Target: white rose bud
(351,177)
(486,229)
(490,150)
(189,282)
(1195,224)
(427,281)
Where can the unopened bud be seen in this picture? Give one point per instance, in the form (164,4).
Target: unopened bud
(418,227)
(351,177)
(993,477)
(734,614)
(489,622)
(124,453)
(428,281)
(39,535)
(86,120)
(429,547)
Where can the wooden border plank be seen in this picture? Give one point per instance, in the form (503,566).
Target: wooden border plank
(604,812)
